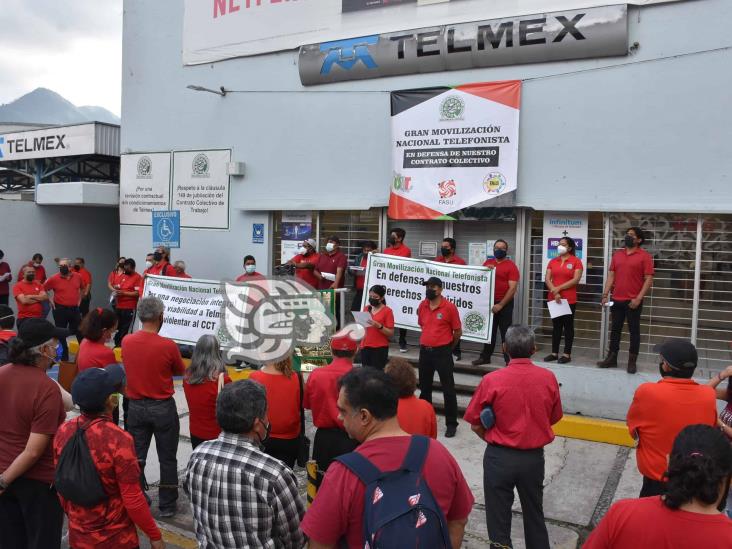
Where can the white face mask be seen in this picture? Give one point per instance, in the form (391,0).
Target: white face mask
(36,264)
(148,264)
(562,249)
(250,268)
(329,247)
(302,250)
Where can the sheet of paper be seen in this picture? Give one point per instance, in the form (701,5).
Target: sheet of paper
(329,276)
(559,309)
(362,318)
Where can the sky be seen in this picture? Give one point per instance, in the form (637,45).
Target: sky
(73,47)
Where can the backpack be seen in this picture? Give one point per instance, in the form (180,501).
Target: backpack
(3,352)
(399,508)
(77,478)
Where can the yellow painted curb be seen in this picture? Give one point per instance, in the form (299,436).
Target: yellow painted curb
(596,430)
(178,540)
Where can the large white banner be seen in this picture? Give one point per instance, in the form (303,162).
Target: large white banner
(557,225)
(469,288)
(201,188)
(214,30)
(48,143)
(144,187)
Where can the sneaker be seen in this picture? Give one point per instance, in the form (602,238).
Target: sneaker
(167,513)
(550,358)
(451,431)
(481,360)
(402,347)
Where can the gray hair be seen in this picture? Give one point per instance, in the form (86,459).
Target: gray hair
(207,362)
(239,404)
(181,264)
(150,308)
(520,342)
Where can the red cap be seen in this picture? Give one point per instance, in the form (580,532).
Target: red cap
(348,338)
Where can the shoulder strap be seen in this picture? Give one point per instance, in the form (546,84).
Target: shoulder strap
(360,466)
(416,454)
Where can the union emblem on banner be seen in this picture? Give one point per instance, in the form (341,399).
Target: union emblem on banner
(453,147)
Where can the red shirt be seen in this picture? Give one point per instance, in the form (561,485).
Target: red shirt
(283,403)
(506,271)
(182,275)
(438,324)
(647,522)
(114,278)
(85,275)
(249,277)
(112,522)
(564,272)
(7,335)
(30,402)
(129,283)
(40,272)
(401,251)
(162,268)
(630,272)
(306,275)
(375,337)
(35,310)
(150,363)
(330,263)
(201,400)
(66,290)
(337,511)
(94,354)
(649,416)
(417,417)
(361,280)
(454,260)
(525,400)
(5,284)
(321,393)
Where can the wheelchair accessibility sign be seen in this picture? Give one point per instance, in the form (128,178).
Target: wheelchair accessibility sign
(166,228)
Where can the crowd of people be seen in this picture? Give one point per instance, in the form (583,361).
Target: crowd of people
(247,436)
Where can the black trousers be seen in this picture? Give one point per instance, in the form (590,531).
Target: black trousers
(30,516)
(84,305)
(503,470)
(402,337)
(4,299)
(502,320)
(563,325)
(68,318)
(652,487)
(284,449)
(124,322)
(195,441)
(376,357)
(356,303)
(328,444)
(619,312)
(146,418)
(438,359)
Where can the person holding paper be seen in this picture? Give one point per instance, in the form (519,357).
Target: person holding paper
(375,346)
(563,273)
(358,269)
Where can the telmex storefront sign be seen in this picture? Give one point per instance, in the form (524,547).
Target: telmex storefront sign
(214,30)
(48,143)
(577,34)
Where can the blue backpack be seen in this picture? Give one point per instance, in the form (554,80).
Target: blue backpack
(400,511)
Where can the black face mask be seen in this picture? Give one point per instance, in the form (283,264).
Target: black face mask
(64,270)
(128,271)
(629,241)
(431,293)
(77,267)
(445,252)
(30,277)
(392,240)
(157,256)
(499,253)
(374,302)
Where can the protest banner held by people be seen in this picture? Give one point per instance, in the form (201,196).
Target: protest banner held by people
(67,290)
(6,276)
(305,262)
(29,296)
(398,248)
(416,416)
(358,268)
(375,344)
(126,297)
(250,270)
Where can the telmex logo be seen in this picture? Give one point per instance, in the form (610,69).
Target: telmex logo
(45,143)
(347,53)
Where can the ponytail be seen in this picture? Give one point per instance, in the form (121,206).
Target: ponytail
(98,320)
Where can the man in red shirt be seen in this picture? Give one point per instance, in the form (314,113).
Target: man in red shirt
(441,331)
(659,411)
(150,362)
(162,266)
(305,263)
(86,277)
(630,277)
(5,277)
(250,270)
(37,263)
(321,394)
(126,297)
(67,287)
(525,402)
(505,286)
(359,273)
(331,271)
(367,403)
(448,254)
(29,296)
(180,270)
(398,248)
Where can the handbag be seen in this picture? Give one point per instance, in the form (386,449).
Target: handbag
(67,372)
(303,450)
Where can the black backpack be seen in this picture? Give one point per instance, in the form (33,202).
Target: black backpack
(77,478)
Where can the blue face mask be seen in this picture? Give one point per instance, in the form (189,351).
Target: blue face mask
(59,352)
(498,253)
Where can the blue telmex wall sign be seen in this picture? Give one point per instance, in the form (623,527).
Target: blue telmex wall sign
(166,228)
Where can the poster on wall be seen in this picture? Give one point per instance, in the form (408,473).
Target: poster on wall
(144,187)
(290,248)
(201,188)
(453,148)
(469,288)
(558,225)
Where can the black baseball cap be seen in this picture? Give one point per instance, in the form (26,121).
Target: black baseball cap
(5,312)
(35,331)
(92,386)
(680,354)
(433,281)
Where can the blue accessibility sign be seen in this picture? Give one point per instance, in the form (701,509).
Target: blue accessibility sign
(257,233)
(166,228)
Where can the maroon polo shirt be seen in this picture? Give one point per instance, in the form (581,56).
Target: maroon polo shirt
(438,324)
(630,271)
(454,260)
(329,263)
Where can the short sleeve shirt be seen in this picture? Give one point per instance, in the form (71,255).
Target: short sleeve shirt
(306,275)
(66,290)
(129,283)
(375,337)
(34,310)
(150,362)
(454,260)
(630,272)
(5,284)
(94,354)
(564,272)
(330,263)
(401,251)
(506,271)
(438,324)
(321,393)
(283,403)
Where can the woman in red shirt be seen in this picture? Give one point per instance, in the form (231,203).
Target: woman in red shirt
(284,408)
(97,328)
(114,278)
(416,416)
(563,273)
(375,345)
(202,382)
